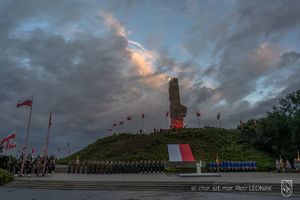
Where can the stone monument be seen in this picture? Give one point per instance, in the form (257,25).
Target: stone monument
(177,110)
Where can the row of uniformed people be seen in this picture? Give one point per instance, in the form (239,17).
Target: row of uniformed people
(115,167)
(39,165)
(232,166)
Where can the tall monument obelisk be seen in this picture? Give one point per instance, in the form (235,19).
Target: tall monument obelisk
(177,110)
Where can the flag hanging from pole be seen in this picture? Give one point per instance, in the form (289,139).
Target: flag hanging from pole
(129,118)
(143,115)
(114,125)
(121,123)
(32,151)
(198,114)
(50,120)
(7,138)
(167,113)
(27,102)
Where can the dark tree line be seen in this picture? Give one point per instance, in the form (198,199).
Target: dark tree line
(279,132)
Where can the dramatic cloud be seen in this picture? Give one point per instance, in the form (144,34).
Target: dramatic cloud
(94,63)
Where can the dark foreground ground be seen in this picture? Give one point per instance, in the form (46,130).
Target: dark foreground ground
(64,186)
(42,194)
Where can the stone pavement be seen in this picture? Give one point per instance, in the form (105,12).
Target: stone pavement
(244,177)
(251,182)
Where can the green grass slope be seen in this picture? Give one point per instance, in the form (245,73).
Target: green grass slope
(206,143)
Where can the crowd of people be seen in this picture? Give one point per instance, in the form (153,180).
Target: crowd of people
(25,167)
(114,167)
(231,166)
(285,166)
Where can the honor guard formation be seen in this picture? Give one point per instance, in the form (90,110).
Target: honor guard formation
(114,167)
(285,166)
(40,165)
(231,166)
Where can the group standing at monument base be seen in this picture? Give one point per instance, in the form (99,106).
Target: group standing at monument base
(115,167)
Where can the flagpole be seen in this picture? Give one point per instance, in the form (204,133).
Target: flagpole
(27,135)
(69,151)
(143,124)
(167,120)
(47,142)
(220,123)
(199,122)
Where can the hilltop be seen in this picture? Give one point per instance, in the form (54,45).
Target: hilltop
(206,143)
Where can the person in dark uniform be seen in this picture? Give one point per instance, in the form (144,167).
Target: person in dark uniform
(69,167)
(83,166)
(39,166)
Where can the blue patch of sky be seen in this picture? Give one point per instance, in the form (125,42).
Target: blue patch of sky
(150,18)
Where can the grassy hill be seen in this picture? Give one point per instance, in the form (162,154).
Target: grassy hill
(205,144)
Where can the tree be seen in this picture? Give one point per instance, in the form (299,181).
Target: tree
(279,132)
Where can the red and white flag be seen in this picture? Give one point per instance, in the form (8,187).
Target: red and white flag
(9,137)
(180,152)
(32,150)
(27,102)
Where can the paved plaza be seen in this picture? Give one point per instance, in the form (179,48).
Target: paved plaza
(245,177)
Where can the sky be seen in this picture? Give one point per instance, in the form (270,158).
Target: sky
(92,63)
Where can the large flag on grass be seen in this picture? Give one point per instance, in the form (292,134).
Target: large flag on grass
(180,152)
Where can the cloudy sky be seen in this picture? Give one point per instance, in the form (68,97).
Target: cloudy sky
(93,63)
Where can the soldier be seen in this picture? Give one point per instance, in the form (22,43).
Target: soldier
(155,166)
(161,166)
(134,167)
(123,167)
(288,166)
(83,167)
(39,166)
(97,167)
(69,167)
(282,165)
(298,166)
(94,167)
(209,166)
(28,166)
(104,167)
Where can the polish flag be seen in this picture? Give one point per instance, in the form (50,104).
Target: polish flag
(180,152)
(7,138)
(25,103)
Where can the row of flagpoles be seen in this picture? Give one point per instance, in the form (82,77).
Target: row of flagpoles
(129,118)
(12,136)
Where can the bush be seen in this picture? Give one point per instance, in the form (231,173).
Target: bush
(5,176)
